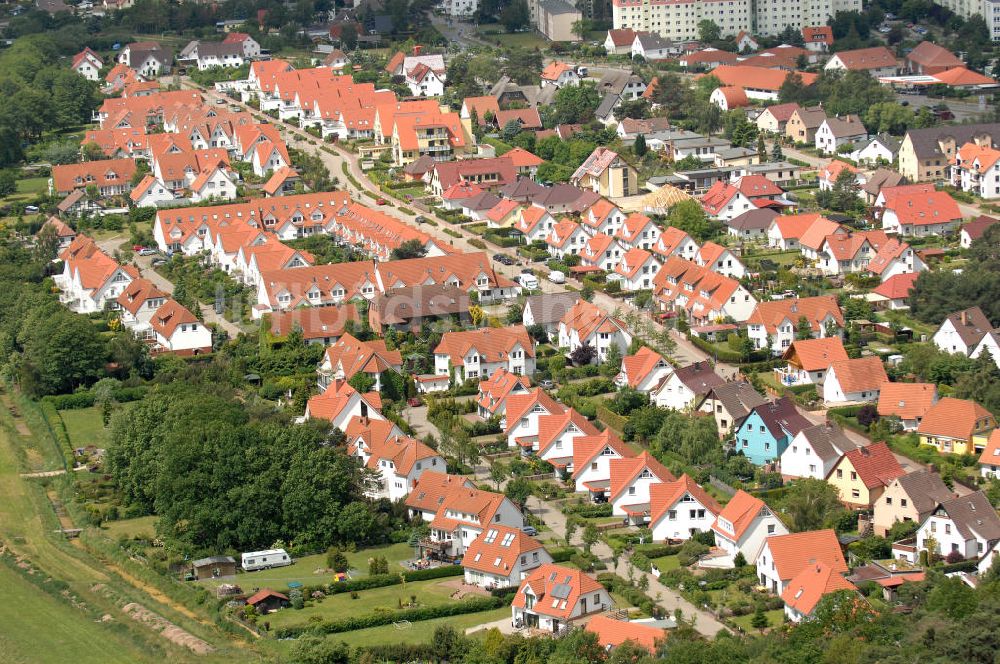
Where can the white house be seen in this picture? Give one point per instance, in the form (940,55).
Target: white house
(476,354)
(685,385)
(637,269)
(967,525)
(962,331)
(88,64)
(783,556)
(150,192)
(523,413)
(835,132)
(566,238)
(743,525)
(879,149)
(553,596)
(535,223)
(990,343)
(719,259)
(556,435)
(399,462)
(425,82)
(341,402)
(601,251)
(777,321)
(585,324)
(680,509)
(559,74)
(637,231)
(643,371)
(216,183)
(178,331)
(854,381)
(814,451)
(502,558)
(592,456)
(631,479)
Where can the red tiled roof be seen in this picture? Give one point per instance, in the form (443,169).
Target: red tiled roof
(664,496)
(793,552)
(811,584)
(862,59)
(954,418)
(907,401)
(611,633)
(898,286)
(991,453)
(625,471)
(815,309)
(757,78)
(816,354)
(586,448)
(741,510)
(497,549)
(544,581)
(863,374)
(637,367)
(875,464)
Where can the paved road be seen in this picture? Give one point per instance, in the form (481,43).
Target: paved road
(143,263)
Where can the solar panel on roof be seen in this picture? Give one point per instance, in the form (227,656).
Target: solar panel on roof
(561,591)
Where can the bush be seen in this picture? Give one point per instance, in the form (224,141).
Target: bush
(690,552)
(562,555)
(589,510)
(383,580)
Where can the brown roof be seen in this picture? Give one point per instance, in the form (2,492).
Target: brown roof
(973,515)
(738,398)
(828,441)
(931,55)
(954,418)
(971,325)
(699,377)
(816,354)
(907,401)
(863,374)
(862,59)
(925,489)
(975,228)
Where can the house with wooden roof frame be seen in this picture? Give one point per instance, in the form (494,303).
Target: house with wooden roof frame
(809,359)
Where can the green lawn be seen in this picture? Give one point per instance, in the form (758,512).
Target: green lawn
(432,592)
(85,426)
(418,632)
(141,526)
(32,185)
(774,619)
(529,40)
(666,563)
(39,629)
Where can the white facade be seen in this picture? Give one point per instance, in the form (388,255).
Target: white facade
(784,335)
(949,340)
(219,186)
(833,393)
(187,337)
(939,527)
(635,492)
(764,525)
(684,517)
(828,142)
(598,469)
(475,366)
(154,195)
(989,344)
(800,460)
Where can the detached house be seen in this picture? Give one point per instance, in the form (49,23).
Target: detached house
(88,64)
(863,473)
(835,132)
(956,426)
(782,557)
(679,510)
(743,525)
(809,359)
(643,371)
(534,223)
(909,497)
(502,558)
(907,401)
(895,258)
(803,123)
(522,418)
(768,429)
(602,252)
(730,404)
(631,479)
(553,597)
(547,309)
(637,231)
(399,461)
(592,457)
(607,174)
(962,331)
(877,61)
(347,357)
(918,211)
(854,380)
(684,387)
(814,451)
(967,525)
(179,331)
(341,402)
(477,353)
(494,391)
(989,460)
(803,593)
(585,324)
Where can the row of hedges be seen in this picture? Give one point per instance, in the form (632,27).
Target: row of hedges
(383,580)
(354,623)
(612,419)
(589,510)
(726,355)
(86,398)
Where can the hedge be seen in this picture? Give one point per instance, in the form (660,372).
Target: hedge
(398,652)
(612,419)
(354,623)
(723,354)
(562,555)
(383,580)
(658,550)
(589,511)
(86,398)
(477,243)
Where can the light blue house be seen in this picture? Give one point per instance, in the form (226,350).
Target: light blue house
(768,430)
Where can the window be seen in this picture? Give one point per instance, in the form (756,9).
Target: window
(671,515)
(770,529)
(840,474)
(902,502)
(854,476)
(888,500)
(855,493)
(631,491)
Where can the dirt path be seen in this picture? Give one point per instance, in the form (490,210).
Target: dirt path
(155,593)
(19,424)
(166,629)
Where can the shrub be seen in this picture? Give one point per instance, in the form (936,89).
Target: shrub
(690,552)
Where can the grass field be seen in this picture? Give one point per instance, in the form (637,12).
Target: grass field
(433,592)
(666,563)
(774,619)
(143,525)
(85,426)
(530,39)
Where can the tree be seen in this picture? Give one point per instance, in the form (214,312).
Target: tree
(708,31)
(636,109)
(61,351)
(573,104)
(447,643)
(8,183)
(590,537)
(759,620)
(689,216)
(336,560)
(639,147)
(672,93)
(349,37)
(583,354)
(761,148)
(515,16)
(811,504)
(409,249)
(612,361)
(776,153)
(498,473)
(518,490)
(803,329)
(315,649)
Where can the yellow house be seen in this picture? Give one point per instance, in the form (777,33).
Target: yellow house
(956,426)
(925,154)
(606,173)
(862,475)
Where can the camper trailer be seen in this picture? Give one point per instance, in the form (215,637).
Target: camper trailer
(256,560)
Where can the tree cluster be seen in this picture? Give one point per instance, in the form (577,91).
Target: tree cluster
(940,292)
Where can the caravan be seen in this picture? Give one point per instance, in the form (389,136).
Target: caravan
(256,560)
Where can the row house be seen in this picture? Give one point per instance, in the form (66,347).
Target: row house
(314,286)
(475,354)
(703,295)
(91,280)
(110,177)
(556,436)
(502,558)
(522,418)
(494,391)
(775,323)
(317,325)
(592,457)
(768,430)
(637,231)
(379,234)
(637,270)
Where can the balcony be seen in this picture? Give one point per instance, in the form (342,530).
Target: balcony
(789,376)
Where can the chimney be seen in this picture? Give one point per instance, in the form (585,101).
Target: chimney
(965,318)
(417,49)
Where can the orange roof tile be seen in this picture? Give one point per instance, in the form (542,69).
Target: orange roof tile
(664,496)
(430,490)
(898,286)
(496,551)
(757,78)
(637,367)
(815,354)
(625,471)
(815,309)
(991,453)
(810,585)
(740,511)
(493,392)
(492,344)
(612,633)
(793,552)
(907,401)
(955,418)
(587,448)
(170,315)
(863,374)
(543,583)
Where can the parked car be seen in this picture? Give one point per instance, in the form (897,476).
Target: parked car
(158,262)
(503,259)
(220,102)
(666,315)
(546,384)
(420,219)
(414,402)
(380,201)
(527,281)
(137,247)
(557,277)
(529,531)
(148,251)
(31,209)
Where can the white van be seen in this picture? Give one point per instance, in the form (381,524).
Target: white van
(256,560)
(528,281)
(557,277)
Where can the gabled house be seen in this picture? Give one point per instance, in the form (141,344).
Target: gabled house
(989,460)
(464,515)
(585,324)
(719,259)
(835,132)
(743,525)
(910,497)
(675,242)
(318,325)
(612,633)
(962,331)
(607,174)
(619,41)
(910,210)
(782,557)
(956,426)
(854,380)
(702,295)
(631,479)
(535,223)
(547,309)
(803,123)
(678,510)
(88,64)
(592,456)
(776,322)
(814,451)
(803,593)
(502,558)
(637,269)
(138,301)
(637,231)
(752,224)
(347,357)
(63,232)
(817,38)
(723,201)
(895,258)
(523,413)
(989,344)
(602,252)
(476,353)
(494,391)
(877,61)
(341,402)
(968,526)
(894,292)
(730,404)
(973,230)
(553,597)
(862,474)
(566,238)
(559,74)
(768,429)
(643,371)
(809,359)
(786,231)
(399,461)
(879,149)
(433,487)
(683,388)
(907,401)
(556,434)
(774,119)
